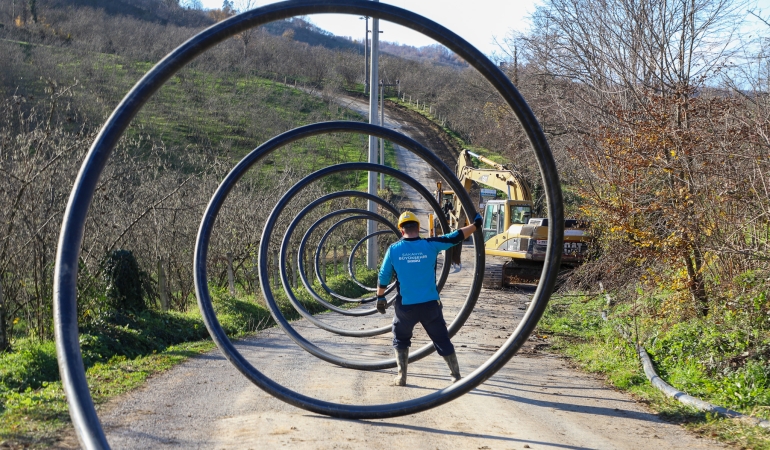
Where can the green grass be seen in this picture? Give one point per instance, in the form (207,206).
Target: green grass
(198,110)
(574,327)
(119,355)
(37,418)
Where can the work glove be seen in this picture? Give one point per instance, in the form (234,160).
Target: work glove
(382,304)
(477,221)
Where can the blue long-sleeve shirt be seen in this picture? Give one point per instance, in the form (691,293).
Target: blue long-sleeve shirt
(414,262)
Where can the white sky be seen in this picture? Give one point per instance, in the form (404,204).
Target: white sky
(478,21)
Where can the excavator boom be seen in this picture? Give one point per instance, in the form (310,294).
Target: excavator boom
(505,180)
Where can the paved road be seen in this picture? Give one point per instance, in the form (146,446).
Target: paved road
(537,401)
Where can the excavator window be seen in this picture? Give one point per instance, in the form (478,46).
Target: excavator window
(494,217)
(520,214)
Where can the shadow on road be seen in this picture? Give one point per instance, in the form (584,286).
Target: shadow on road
(450,433)
(610,412)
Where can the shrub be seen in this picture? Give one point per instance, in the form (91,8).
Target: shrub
(32,364)
(126,284)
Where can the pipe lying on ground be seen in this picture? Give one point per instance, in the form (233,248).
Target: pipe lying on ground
(671,391)
(689,400)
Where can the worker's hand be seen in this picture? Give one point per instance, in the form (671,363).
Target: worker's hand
(382,304)
(477,221)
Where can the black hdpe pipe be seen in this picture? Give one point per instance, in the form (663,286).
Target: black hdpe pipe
(305,211)
(209,217)
(84,418)
(298,305)
(300,251)
(302,272)
(322,241)
(352,261)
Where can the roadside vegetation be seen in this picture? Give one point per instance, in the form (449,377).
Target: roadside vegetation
(715,360)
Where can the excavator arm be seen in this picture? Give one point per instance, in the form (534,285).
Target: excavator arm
(505,180)
(499,177)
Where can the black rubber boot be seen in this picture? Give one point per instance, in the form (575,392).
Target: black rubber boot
(402,359)
(454,366)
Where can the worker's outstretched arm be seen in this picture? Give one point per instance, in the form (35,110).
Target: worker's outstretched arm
(476,225)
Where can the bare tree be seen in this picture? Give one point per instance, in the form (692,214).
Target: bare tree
(626,69)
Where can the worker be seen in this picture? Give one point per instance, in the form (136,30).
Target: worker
(413,260)
(447,208)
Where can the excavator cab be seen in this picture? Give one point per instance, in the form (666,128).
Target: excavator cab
(499,215)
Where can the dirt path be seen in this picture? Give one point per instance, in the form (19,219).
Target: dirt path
(537,401)
(420,129)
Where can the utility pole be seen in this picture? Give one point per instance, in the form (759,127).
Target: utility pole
(366,55)
(372,249)
(382,123)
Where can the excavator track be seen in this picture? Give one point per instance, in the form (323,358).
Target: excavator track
(521,272)
(493,276)
(500,272)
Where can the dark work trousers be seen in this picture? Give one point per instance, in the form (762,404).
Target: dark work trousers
(431,318)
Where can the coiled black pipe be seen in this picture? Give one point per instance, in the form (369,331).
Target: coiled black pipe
(351,258)
(82,411)
(321,243)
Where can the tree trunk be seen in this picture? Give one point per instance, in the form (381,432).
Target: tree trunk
(694,263)
(4,344)
(276,273)
(162,287)
(257,289)
(230,274)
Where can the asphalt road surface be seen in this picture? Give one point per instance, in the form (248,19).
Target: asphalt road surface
(537,401)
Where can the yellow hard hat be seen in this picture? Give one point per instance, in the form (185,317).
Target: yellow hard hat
(407,216)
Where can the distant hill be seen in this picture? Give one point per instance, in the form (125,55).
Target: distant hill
(166,13)
(163,12)
(435,53)
(169,12)
(304,31)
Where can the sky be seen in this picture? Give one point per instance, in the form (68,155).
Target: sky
(477,21)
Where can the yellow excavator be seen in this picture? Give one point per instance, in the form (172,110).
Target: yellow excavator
(515,242)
